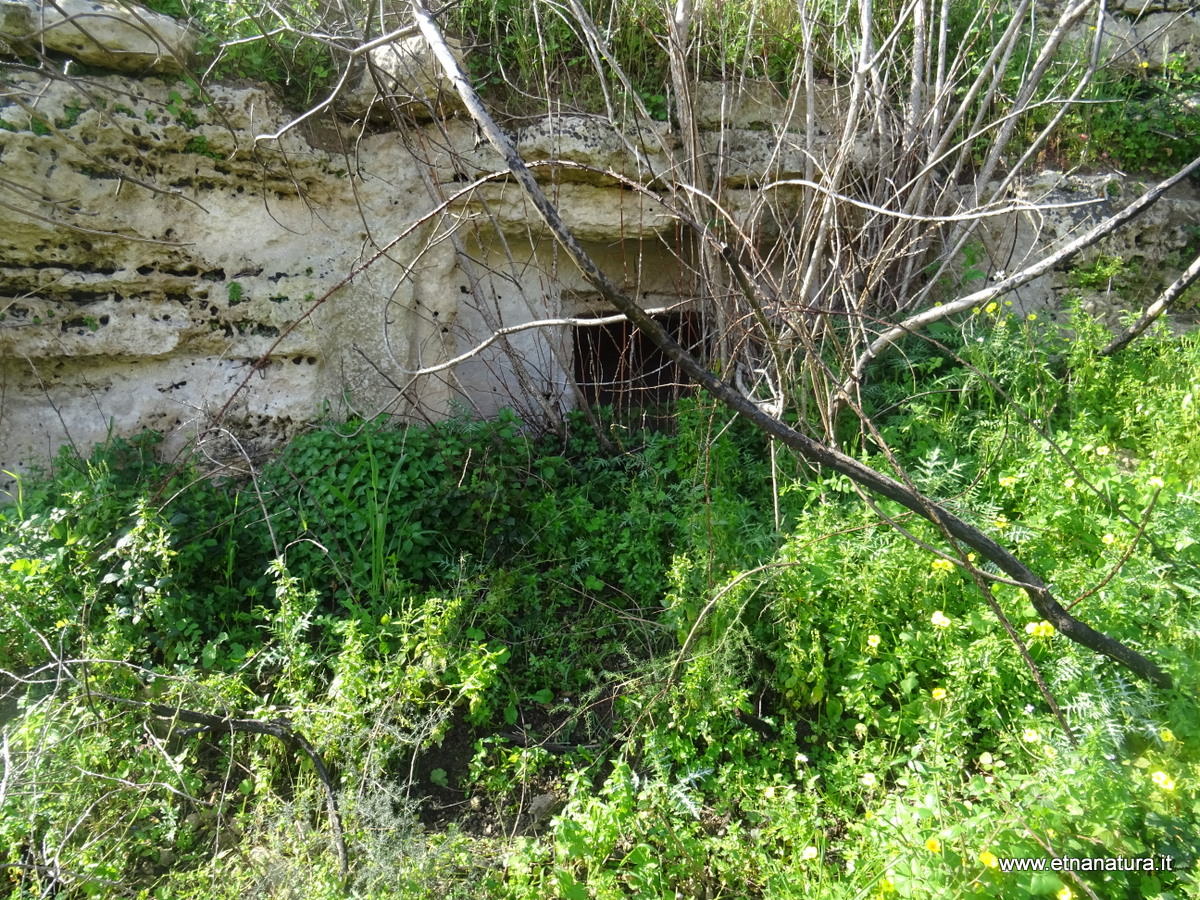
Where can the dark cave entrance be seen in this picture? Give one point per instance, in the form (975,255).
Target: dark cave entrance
(618,366)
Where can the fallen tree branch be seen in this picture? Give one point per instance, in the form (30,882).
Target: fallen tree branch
(1039,593)
(278,728)
(1155,309)
(1120,564)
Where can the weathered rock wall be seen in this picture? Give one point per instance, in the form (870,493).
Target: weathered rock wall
(160,254)
(1061,208)
(158,262)
(163,266)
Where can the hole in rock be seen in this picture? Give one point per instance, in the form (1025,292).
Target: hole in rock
(616,365)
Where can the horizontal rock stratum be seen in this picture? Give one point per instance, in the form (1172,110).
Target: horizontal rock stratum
(179,258)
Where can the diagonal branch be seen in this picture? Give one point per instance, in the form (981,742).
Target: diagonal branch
(1155,309)
(1039,593)
(278,728)
(1012,282)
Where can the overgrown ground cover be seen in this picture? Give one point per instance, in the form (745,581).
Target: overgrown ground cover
(481,633)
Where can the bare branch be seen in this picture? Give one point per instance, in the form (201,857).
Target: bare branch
(341,83)
(1012,282)
(1173,292)
(526,326)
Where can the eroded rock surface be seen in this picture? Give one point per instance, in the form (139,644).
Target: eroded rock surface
(1062,208)
(1146,37)
(166,262)
(403,78)
(161,257)
(127,38)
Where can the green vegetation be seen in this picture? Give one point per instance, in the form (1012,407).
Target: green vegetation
(1144,122)
(524,54)
(538,666)
(176,107)
(522,49)
(71,114)
(262,42)
(469,622)
(199,146)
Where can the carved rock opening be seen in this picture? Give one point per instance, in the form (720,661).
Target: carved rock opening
(618,366)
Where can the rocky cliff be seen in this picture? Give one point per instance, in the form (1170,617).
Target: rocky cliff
(174,258)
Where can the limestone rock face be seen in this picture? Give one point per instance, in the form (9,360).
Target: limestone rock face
(1064,207)
(759,106)
(595,149)
(1138,7)
(181,260)
(719,104)
(16,20)
(162,266)
(100,33)
(592,213)
(158,267)
(403,76)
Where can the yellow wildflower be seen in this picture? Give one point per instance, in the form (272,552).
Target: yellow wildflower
(938,693)
(933,845)
(1109,540)
(1167,736)
(1039,629)
(988,858)
(1007,481)
(1163,780)
(1065,893)
(942,565)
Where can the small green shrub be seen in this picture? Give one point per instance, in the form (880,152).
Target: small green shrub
(199,146)
(1099,274)
(244,39)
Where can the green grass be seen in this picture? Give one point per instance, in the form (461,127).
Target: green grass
(465,617)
